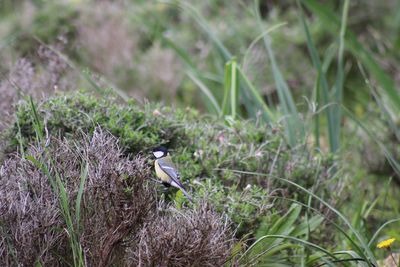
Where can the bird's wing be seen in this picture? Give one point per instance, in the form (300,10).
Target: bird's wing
(169,168)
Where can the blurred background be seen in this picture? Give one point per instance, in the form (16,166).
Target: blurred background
(143,48)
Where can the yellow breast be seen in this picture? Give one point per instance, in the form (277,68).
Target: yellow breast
(160,173)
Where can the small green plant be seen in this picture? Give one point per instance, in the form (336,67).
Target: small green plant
(58,187)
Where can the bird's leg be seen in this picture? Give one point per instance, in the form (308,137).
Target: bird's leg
(165,190)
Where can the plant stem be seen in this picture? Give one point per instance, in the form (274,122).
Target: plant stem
(391,254)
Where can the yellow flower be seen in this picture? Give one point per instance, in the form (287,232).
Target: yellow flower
(385,243)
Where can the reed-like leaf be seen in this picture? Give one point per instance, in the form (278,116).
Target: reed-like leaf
(333,24)
(294,127)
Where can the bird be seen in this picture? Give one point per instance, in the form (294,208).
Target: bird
(166,170)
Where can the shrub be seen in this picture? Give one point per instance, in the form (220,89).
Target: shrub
(116,200)
(183,238)
(206,151)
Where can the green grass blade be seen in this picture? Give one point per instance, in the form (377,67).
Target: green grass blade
(231,88)
(179,51)
(207,92)
(83,176)
(246,261)
(353,243)
(297,240)
(323,82)
(381,102)
(316,98)
(340,78)
(332,23)
(37,123)
(373,238)
(357,235)
(57,187)
(267,114)
(389,156)
(294,127)
(258,38)
(225,107)
(224,52)
(186,59)
(225,56)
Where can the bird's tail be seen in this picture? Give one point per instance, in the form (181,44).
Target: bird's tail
(186,194)
(180,187)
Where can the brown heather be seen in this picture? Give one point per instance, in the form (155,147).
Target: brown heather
(115,202)
(120,223)
(199,237)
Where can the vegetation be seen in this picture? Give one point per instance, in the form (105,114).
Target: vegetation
(282,117)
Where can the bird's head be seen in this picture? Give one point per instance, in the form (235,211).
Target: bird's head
(160,152)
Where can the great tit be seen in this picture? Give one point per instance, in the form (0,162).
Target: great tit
(166,170)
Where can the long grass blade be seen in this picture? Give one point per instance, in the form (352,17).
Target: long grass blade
(340,76)
(389,155)
(332,23)
(323,84)
(231,88)
(377,232)
(83,176)
(294,128)
(224,52)
(207,92)
(360,239)
(267,114)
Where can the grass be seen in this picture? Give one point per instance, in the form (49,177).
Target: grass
(277,160)
(228,192)
(59,189)
(358,242)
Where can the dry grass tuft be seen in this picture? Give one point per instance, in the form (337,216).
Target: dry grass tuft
(31,224)
(115,202)
(199,237)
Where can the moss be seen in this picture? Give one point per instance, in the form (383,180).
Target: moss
(207,151)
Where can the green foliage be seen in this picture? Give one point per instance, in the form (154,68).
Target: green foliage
(68,115)
(332,22)
(205,149)
(360,249)
(288,224)
(233,87)
(266,81)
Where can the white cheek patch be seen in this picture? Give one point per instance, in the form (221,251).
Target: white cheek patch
(158,154)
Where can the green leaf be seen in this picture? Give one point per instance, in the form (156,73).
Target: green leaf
(84,174)
(231,88)
(295,131)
